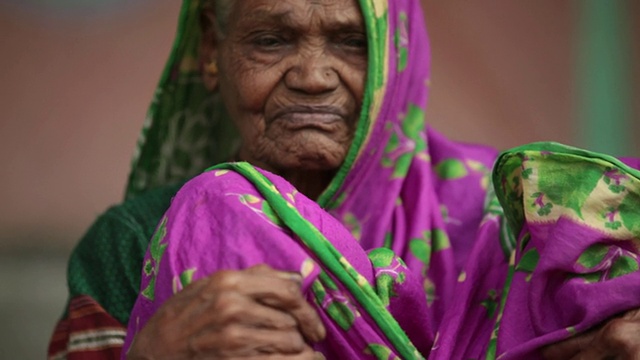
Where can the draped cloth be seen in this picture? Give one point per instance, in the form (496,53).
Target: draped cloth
(417,248)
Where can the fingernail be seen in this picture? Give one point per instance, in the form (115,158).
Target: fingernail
(319,356)
(290,276)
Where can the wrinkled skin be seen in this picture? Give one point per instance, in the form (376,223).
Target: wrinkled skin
(292,77)
(258,313)
(616,339)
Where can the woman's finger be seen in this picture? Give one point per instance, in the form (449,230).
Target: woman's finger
(240,340)
(233,308)
(306,355)
(622,337)
(200,296)
(593,353)
(619,338)
(308,319)
(569,348)
(276,289)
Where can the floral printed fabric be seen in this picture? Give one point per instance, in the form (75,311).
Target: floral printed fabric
(408,253)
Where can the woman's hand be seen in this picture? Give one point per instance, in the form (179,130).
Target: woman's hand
(258,313)
(618,339)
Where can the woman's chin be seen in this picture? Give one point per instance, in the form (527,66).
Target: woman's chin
(318,152)
(310,162)
(303,161)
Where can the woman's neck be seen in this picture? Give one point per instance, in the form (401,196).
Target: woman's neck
(311,183)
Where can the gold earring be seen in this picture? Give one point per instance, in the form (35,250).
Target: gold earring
(212,68)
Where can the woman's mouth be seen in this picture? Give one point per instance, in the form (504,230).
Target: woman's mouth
(324,118)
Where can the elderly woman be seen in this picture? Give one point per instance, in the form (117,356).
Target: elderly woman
(343,227)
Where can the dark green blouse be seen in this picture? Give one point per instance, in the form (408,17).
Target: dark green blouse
(106,264)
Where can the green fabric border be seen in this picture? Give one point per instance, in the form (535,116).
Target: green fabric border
(375,77)
(330,257)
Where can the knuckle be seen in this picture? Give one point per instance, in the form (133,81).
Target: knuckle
(234,337)
(287,322)
(293,292)
(225,280)
(261,268)
(295,340)
(632,315)
(225,305)
(616,333)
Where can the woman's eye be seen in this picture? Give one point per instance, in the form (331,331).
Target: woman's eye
(268,41)
(356,42)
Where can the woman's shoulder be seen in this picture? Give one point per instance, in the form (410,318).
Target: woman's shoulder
(141,213)
(215,181)
(105,263)
(216,189)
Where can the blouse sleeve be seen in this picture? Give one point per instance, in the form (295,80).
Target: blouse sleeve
(103,278)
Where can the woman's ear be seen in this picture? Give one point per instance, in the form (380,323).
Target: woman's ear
(209,49)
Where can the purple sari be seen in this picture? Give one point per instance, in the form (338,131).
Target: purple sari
(410,253)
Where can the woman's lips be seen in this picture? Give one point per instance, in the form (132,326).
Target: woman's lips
(310,117)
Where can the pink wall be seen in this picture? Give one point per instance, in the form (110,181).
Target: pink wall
(502,70)
(73,97)
(74,93)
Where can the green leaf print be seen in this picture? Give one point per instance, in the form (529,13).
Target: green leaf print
(148,267)
(388,240)
(545,210)
(429,290)
(352,223)
(568,182)
(491,303)
(186,277)
(525,240)
(529,261)
(341,314)
(593,256)
(249,199)
(156,249)
(384,288)
(622,266)
(381,352)
(319,292)
(413,123)
(421,250)
(630,213)
(327,281)
(402,166)
(613,225)
(150,291)
(440,240)
(392,145)
(451,169)
(381,257)
(589,278)
(401,42)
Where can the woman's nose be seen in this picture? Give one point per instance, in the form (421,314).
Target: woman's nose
(313,74)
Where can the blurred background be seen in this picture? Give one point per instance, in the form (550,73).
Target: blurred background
(76,77)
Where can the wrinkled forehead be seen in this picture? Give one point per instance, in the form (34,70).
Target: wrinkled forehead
(296,13)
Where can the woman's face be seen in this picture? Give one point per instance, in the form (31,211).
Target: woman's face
(292,77)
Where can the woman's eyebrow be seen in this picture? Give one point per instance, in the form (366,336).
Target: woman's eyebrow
(338,23)
(269,16)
